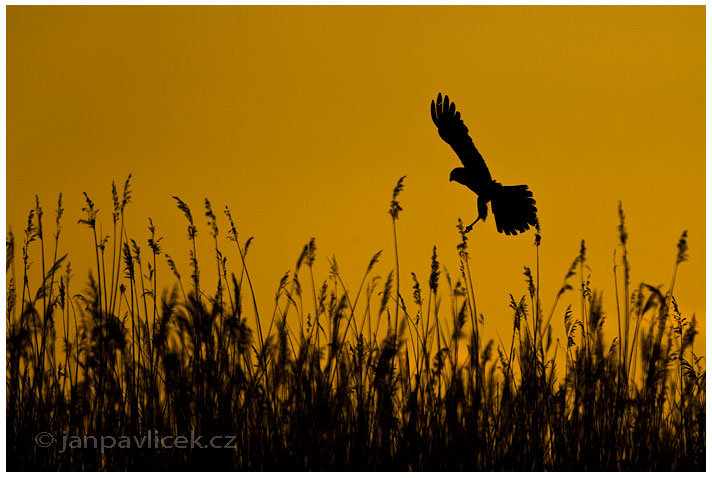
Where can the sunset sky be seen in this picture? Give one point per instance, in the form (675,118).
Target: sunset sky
(302,119)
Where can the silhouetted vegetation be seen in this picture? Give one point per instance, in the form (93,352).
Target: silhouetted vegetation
(369,379)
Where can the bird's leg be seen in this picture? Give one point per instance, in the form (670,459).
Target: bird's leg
(481,212)
(469,228)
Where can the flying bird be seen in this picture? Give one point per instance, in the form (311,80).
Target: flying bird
(513,206)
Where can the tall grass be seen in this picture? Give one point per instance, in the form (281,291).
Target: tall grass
(365,381)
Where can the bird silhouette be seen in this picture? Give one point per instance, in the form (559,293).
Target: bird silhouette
(513,206)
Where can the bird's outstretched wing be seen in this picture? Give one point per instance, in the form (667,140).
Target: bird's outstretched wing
(454,132)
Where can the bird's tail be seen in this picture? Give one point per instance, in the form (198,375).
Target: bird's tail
(514,209)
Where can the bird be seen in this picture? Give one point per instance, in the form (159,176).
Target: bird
(513,207)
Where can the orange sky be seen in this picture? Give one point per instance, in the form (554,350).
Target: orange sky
(302,119)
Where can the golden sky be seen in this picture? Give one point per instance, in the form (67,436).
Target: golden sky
(302,119)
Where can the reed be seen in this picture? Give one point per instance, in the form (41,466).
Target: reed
(336,380)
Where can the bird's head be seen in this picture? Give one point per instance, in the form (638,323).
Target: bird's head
(458,175)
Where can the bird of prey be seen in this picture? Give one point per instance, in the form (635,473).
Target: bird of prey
(513,206)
